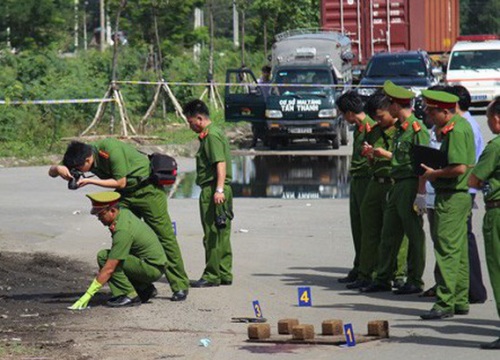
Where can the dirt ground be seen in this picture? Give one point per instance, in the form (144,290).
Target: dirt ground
(34,292)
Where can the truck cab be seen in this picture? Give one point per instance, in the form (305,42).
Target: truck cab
(310,71)
(475,64)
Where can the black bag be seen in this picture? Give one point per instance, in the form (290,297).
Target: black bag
(163,169)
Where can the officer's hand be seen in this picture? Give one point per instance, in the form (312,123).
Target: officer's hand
(81,303)
(367,150)
(420,205)
(429,173)
(63,172)
(84,181)
(219,198)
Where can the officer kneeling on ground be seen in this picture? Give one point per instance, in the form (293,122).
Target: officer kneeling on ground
(135,259)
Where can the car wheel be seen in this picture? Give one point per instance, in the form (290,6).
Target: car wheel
(335,142)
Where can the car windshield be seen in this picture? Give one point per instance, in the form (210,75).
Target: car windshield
(475,60)
(396,66)
(309,77)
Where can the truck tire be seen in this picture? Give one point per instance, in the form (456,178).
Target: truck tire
(335,142)
(273,144)
(344,139)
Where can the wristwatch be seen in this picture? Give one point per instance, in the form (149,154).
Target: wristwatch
(219,190)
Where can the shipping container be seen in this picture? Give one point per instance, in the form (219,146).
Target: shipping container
(393,25)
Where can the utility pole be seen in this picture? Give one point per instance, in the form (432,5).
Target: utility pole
(85,4)
(76,25)
(101,12)
(236,27)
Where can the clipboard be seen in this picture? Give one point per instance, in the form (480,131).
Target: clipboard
(431,157)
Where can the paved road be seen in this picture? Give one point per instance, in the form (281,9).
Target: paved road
(279,245)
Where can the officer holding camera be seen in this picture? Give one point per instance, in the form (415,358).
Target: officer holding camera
(213,168)
(121,167)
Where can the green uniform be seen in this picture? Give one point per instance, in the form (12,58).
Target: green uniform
(142,260)
(399,217)
(114,159)
(360,177)
(373,206)
(214,148)
(452,207)
(488,170)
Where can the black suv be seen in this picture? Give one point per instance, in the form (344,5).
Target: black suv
(411,69)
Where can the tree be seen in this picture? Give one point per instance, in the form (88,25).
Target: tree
(479,17)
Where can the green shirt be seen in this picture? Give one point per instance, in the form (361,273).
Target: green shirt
(131,236)
(214,148)
(488,170)
(411,132)
(381,138)
(359,163)
(114,159)
(458,145)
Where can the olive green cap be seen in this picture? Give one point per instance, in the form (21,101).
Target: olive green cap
(440,99)
(398,93)
(103,200)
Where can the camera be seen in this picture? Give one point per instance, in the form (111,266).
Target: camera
(72,183)
(220,221)
(222,214)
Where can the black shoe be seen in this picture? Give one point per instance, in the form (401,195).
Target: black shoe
(477,301)
(123,301)
(348,279)
(431,292)
(372,288)
(180,295)
(436,314)
(407,289)
(226,282)
(398,283)
(148,293)
(358,284)
(461,312)
(495,345)
(202,283)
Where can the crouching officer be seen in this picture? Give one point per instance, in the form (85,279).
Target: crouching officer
(135,259)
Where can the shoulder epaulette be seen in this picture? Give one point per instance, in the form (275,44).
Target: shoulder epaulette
(203,134)
(368,127)
(112,228)
(448,128)
(405,125)
(416,126)
(104,154)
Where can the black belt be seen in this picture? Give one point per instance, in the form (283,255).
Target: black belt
(404,178)
(383,179)
(450,191)
(492,204)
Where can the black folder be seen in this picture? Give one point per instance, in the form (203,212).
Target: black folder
(431,157)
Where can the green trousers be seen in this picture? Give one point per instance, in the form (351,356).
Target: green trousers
(217,242)
(372,214)
(150,204)
(399,220)
(130,276)
(357,193)
(451,250)
(491,233)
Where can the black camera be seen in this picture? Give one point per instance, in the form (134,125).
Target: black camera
(72,183)
(220,221)
(222,214)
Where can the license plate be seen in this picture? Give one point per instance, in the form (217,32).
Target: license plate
(478,97)
(301,130)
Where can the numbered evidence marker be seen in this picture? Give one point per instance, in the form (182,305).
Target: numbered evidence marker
(349,335)
(174,226)
(256,308)
(305,296)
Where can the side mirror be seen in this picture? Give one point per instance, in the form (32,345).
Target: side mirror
(347,56)
(437,72)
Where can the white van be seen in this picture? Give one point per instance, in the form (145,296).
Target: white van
(475,64)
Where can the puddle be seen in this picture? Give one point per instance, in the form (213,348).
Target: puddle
(283,176)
